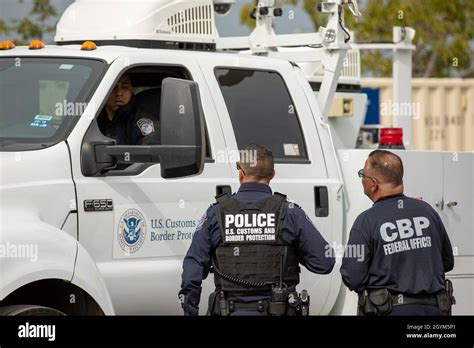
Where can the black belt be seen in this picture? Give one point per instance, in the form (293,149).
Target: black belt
(401,299)
(258,306)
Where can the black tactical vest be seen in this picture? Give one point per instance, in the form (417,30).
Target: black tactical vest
(252,253)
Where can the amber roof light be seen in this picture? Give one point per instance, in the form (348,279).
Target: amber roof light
(36,45)
(88,46)
(7,45)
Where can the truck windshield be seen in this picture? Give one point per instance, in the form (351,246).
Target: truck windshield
(41,99)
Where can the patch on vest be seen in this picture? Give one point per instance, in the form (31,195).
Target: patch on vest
(146,126)
(250,228)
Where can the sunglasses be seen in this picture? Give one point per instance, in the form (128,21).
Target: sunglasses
(361,174)
(239,167)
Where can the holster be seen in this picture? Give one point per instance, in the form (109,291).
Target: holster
(375,302)
(279,301)
(297,304)
(213,308)
(446,299)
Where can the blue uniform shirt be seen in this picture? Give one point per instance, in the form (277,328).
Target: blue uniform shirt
(297,230)
(405,248)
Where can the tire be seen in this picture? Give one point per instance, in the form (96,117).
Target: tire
(29,310)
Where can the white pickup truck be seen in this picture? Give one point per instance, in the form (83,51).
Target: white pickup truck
(70,197)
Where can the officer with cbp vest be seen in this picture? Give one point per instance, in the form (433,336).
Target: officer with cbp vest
(406,250)
(253,242)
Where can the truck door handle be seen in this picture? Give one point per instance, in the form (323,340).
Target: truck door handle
(451,204)
(221,189)
(321,201)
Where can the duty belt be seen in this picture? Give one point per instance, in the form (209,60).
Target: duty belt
(259,306)
(401,299)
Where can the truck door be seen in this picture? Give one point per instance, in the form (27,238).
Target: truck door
(263,102)
(146,279)
(456,209)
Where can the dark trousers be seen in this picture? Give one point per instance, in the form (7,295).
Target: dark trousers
(248,314)
(415,309)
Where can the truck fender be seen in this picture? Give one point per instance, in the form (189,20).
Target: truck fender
(33,250)
(88,277)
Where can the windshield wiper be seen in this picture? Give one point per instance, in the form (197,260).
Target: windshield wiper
(5,143)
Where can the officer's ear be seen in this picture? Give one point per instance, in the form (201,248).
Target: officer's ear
(374,187)
(241,176)
(273,175)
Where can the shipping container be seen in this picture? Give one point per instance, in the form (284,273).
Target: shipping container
(442,111)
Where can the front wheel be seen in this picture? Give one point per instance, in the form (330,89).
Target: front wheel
(29,310)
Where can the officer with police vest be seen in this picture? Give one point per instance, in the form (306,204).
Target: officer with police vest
(406,249)
(253,242)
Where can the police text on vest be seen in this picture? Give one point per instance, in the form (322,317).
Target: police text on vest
(249,227)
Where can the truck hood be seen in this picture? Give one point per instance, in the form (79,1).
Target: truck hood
(37,184)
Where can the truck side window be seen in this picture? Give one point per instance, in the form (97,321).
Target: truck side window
(134,105)
(261,111)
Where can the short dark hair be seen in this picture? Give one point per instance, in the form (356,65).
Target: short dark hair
(257,162)
(127,75)
(387,166)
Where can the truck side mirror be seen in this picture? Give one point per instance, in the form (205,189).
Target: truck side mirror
(182,131)
(182,135)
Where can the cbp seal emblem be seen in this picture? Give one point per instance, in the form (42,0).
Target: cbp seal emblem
(131,230)
(146,126)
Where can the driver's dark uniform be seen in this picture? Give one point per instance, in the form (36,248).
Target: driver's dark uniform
(130,126)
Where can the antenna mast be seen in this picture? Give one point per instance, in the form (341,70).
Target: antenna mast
(332,40)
